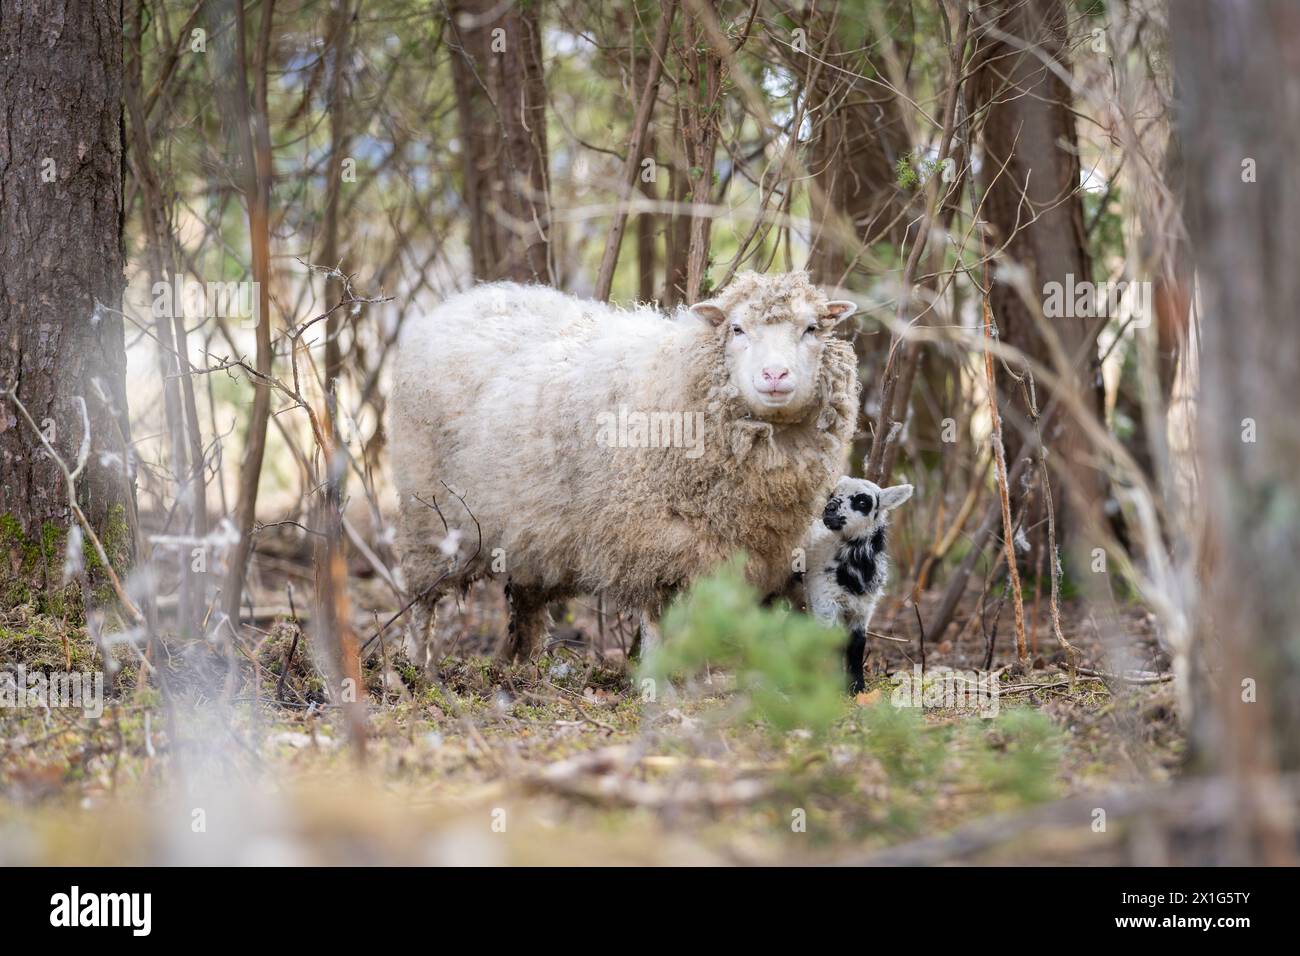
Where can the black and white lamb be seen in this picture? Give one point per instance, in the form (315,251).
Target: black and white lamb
(848,564)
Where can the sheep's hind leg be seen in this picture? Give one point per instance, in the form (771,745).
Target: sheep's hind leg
(527,628)
(421,643)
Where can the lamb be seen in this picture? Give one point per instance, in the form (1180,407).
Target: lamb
(848,564)
(572,447)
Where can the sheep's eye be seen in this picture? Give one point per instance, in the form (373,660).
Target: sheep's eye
(863,504)
(811,330)
(737,330)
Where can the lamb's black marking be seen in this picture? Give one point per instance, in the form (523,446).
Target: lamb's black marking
(856,565)
(863,504)
(831,517)
(855,660)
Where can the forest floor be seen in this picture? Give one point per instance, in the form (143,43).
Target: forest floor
(563,760)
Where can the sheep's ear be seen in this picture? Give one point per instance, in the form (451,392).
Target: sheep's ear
(840,308)
(891,498)
(710,312)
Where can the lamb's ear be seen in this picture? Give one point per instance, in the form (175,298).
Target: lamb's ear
(891,498)
(709,311)
(838,309)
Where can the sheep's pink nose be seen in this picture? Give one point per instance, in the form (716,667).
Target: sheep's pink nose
(775,375)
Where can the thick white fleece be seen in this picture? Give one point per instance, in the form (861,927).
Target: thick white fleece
(500,396)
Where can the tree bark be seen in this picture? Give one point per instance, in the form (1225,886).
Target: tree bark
(857,140)
(1238,114)
(1030,174)
(340,21)
(677,231)
(699,83)
(647,229)
(501,104)
(859,137)
(61,287)
(635,149)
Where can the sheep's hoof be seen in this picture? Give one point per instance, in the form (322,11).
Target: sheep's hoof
(518,650)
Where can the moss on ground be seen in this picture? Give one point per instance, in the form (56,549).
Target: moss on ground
(32,565)
(485,735)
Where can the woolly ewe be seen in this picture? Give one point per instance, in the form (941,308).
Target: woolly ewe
(581,448)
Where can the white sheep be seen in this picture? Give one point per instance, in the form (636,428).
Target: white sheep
(580,448)
(848,562)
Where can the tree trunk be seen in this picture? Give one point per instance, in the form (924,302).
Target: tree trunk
(501,103)
(253,139)
(857,140)
(647,223)
(647,229)
(340,21)
(61,287)
(1240,126)
(1030,174)
(699,83)
(677,232)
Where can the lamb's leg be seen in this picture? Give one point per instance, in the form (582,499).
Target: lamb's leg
(825,608)
(859,648)
(855,659)
(527,628)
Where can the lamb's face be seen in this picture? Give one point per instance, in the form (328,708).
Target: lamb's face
(774,330)
(857,507)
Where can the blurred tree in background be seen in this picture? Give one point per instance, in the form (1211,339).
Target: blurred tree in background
(62,357)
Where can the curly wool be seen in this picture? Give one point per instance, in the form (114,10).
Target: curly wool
(499,397)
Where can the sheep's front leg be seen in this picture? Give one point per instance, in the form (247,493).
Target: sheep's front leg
(526,631)
(650,638)
(425,569)
(646,637)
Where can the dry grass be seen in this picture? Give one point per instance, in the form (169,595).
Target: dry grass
(562,750)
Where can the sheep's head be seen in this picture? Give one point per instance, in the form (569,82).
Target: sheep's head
(858,508)
(774,331)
